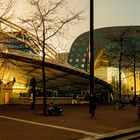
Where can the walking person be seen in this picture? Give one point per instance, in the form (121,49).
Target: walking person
(92,106)
(74,100)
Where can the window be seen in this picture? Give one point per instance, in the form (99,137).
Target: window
(76,65)
(78,55)
(70,60)
(85,54)
(81,39)
(82,65)
(83,60)
(71,54)
(77,60)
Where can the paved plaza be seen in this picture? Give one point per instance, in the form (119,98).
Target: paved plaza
(18,122)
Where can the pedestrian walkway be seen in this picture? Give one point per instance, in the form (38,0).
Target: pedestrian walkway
(51,126)
(74,123)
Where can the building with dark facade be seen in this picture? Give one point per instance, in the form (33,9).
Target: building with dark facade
(79,51)
(103,37)
(78,55)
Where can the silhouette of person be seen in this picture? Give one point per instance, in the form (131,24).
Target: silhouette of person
(74,100)
(92,106)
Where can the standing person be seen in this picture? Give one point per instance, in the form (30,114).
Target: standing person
(92,106)
(74,100)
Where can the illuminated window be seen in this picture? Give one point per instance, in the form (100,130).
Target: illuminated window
(83,43)
(75,44)
(77,60)
(80,49)
(82,65)
(70,60)
(73,49)
(83,60)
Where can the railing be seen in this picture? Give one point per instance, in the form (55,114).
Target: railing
(126,134)
(39,100)
(21,100)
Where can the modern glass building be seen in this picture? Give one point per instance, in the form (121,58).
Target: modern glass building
(79,52)
(78,55)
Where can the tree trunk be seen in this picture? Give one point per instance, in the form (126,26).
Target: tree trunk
(120,70)
(134,80)
(44,82)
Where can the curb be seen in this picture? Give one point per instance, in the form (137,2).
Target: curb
(119,133)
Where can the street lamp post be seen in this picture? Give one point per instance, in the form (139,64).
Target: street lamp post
(92,84)
(91,49)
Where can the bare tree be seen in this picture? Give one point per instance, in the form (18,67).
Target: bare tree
(48,21)
(6,8)
(117,50)
(133,60)
(6,13)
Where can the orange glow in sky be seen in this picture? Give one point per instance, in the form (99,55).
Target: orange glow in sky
(106,13)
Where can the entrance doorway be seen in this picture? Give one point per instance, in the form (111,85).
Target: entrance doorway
(6,98)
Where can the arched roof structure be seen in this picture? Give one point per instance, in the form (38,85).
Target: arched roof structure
(79,51)
(23,65)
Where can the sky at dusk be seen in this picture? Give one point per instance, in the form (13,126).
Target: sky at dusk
(116,12)
(106,13)
(22,7)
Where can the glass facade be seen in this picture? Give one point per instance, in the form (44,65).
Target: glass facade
(15,44)
(80,47)
(102,43)
(78,55)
